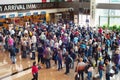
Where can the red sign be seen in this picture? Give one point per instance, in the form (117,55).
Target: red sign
(43,1)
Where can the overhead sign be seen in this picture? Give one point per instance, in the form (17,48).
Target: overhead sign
(20,7)
(3,2)
(19,1)
(17,7)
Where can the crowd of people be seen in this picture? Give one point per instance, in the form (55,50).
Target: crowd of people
(65,42)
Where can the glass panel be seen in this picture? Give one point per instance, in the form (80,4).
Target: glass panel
(103,20)
(83,18)
(115,1)
(102,1)
(114,20)
(104,13)
(107,1)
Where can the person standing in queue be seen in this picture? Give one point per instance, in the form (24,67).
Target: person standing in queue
(101,68)
(35,71)
(68,61)
(40,50)
(80,68)
(108,69)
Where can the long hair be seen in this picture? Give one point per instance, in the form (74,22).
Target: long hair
(34,63)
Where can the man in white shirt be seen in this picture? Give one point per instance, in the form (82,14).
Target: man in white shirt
(12,32)
(26,32)
(34,40)
(42,36)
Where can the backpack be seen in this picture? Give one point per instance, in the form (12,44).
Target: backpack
(101,67)
(116,58)
(74,56)
(1,39)
(77,77)
(70,59)
(30,33)
(86,68)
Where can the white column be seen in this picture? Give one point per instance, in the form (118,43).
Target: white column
(92,12)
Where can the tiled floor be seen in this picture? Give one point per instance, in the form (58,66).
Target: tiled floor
(7,68)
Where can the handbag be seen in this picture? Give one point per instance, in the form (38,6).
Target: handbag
(101,67)
(112,72)
(77,76)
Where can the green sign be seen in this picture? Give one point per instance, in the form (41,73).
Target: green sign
(52,0)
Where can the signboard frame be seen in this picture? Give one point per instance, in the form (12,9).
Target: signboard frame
(24,7)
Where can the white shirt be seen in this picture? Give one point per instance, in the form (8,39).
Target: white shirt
(56,45)
(34,39)
(52,42)
(19,34)
(26,31)
(76,48)
(81,64)
(42,36)
(60,42)
(12,32)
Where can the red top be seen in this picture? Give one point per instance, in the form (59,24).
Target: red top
(100,30)
(34,69)
(107,36)
(76,33)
